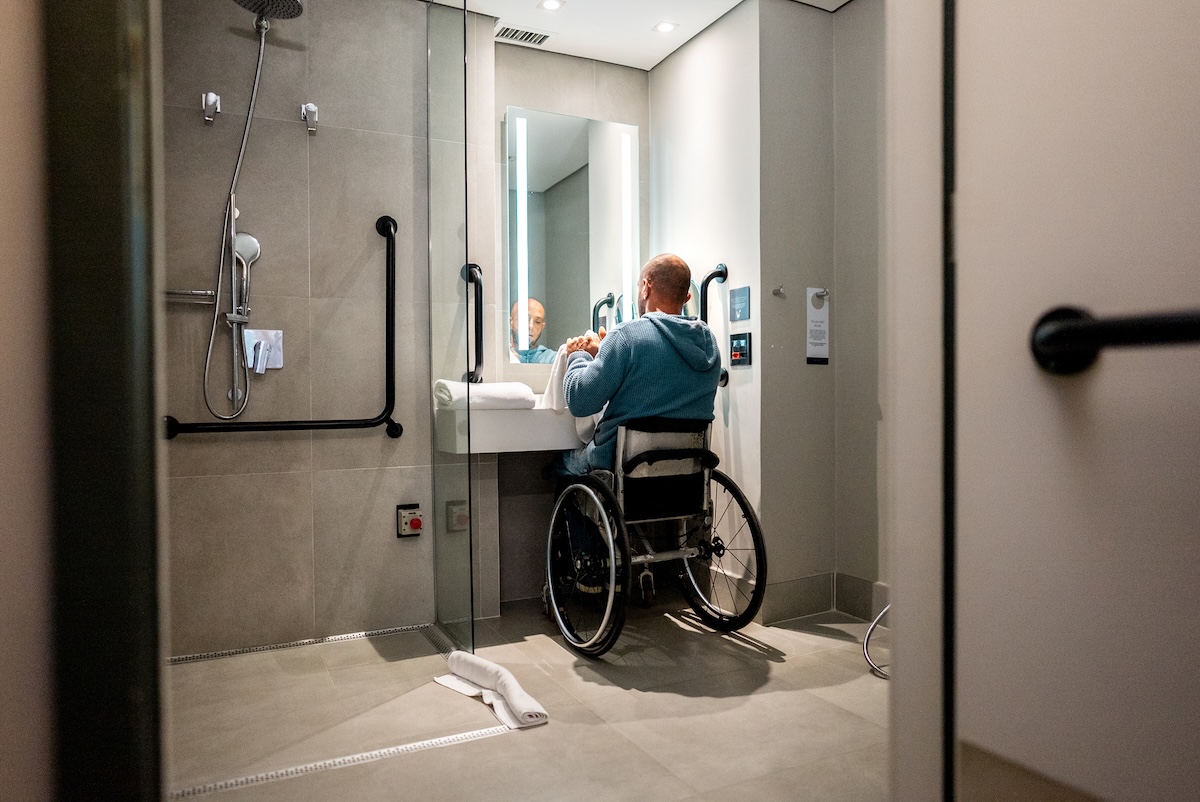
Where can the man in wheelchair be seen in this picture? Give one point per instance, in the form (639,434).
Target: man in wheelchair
(645,488)
(660,364)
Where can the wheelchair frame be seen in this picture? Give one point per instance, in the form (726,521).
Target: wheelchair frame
(669,477)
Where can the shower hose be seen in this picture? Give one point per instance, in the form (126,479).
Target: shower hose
(876,670)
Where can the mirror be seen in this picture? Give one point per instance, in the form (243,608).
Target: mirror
(571,234)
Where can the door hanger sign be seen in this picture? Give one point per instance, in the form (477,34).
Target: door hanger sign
(818,325)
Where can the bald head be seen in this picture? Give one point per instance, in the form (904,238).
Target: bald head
(666,281)
(537,322)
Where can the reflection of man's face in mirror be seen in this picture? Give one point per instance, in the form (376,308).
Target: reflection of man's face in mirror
(537,322)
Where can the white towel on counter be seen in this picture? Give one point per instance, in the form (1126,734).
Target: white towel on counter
(486,395)
(475,676)
(554,399)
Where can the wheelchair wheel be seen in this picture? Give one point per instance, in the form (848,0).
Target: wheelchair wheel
(587,567)
(726,582)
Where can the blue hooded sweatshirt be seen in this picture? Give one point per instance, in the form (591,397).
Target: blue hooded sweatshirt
(655,365)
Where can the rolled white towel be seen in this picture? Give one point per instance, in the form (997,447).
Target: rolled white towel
(487,395)
(486,674)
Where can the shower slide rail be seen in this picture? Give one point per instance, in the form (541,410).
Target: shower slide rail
(1068,339)
(386,226)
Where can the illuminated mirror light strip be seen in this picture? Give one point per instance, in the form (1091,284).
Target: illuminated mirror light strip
(628,226)
(522,233)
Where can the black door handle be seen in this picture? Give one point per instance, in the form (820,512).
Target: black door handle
(1068,340)
(473,275)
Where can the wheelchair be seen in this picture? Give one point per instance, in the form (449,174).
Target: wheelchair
(664,501)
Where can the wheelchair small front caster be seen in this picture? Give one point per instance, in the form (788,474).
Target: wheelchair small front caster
(546,599)
(646,585)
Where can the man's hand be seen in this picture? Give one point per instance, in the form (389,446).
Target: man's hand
(589,342)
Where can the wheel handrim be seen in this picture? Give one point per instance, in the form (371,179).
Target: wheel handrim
(567,626)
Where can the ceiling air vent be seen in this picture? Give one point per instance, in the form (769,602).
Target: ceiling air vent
(523,37)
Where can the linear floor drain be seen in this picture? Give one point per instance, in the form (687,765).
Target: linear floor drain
(335,763)
(194,658)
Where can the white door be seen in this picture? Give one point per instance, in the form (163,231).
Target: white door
(1078,511)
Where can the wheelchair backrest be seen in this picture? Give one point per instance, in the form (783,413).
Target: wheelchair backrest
(662,468)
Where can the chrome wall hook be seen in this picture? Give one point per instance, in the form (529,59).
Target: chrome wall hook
(778,292)
(210,102)
(308,113)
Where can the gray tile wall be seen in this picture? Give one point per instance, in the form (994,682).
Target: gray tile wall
(276,537)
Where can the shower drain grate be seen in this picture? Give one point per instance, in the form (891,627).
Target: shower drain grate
(335,763)
(439,640)
(194,658)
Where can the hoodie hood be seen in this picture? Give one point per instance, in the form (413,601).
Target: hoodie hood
(690,337)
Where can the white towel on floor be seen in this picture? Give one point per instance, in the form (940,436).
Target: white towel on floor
(553,397)
(475,676)
(486,395)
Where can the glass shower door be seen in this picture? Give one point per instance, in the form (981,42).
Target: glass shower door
(448,319)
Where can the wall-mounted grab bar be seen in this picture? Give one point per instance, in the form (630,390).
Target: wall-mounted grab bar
(1068,340)
(191,297)
(473,274)
(607,300)
(386,226)
(719,274)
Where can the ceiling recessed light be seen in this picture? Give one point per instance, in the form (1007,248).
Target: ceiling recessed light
(551,5)
(665,27)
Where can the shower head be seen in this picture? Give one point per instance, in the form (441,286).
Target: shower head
(246,247)
(273,9)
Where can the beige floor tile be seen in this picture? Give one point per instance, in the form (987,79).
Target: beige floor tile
(859,776)
(425,712)
(558,762)
(787,712)
(755,732)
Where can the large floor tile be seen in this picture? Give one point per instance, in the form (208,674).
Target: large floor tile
(424,712)
(560,761)
(674,711)
(759,732)
(859,776)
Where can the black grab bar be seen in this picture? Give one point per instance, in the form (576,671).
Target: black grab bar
(607,300)
(473,274)
(386,226)
(1068,340)
(719,273)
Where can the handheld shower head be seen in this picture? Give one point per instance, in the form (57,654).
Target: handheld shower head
(273,9)
(247,248)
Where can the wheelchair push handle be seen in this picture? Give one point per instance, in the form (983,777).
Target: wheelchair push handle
(708,459)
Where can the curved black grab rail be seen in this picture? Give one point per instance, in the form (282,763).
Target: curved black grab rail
(473,274)
(386,226)
(1068,340)
(607,300)
(719,274)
